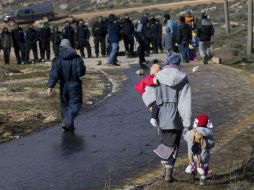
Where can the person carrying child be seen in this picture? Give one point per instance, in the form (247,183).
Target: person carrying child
(199,141)
(169,90)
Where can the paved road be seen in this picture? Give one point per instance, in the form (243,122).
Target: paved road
(114,140)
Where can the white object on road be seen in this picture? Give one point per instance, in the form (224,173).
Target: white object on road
(140,72)
(195,69)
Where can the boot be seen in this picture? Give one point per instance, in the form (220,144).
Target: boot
(202,180)
(163,168)
(169,174)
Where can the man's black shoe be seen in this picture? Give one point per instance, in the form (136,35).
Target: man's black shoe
(68,127)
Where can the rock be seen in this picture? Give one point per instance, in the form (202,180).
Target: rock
(40,116)
(89,102)
(26,4)
(132,187)
(64,6)
(99,62)
(6,135)
(235,5)
(140,72)
(195,69)
(49,119)
(208,10)
(234,24)
(216,60)
(22,119)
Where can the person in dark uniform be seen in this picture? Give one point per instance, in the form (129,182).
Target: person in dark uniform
(56,37)
(18,39)
(155,28)
(99,32)
(141,39)
(128,35)
(31,44)
(185,37)
(6,43)
(45,36)
(68,67)
(68,33)
(82,36)
(148,36)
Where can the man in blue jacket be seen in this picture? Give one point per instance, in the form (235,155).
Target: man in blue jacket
(68,67)
(171,37)
(113,38)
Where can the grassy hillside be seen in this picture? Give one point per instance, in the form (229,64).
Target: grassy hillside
(75,6)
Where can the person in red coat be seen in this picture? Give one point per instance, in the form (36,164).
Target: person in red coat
(147,84)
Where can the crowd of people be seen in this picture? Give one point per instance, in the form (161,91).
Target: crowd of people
(147,31)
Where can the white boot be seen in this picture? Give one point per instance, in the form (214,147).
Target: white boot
(163,168)
(202,180)
(169,174)
(201,171)
(188,169)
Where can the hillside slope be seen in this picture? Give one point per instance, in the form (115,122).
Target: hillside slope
(74,6)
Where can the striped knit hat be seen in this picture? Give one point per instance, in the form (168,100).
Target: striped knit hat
(173,58)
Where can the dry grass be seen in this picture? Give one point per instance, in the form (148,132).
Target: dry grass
(24,105)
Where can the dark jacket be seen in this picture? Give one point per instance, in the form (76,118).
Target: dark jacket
(128,27)
(205,30)
(56,37)
(18,37)
(185,33)
(99,30)
(68,33)
(31,37)
(82,35)
(68,67)
(6,40)
(155,28)
(45,35)
(113,32)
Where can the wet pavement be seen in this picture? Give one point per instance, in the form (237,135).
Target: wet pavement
(114,141)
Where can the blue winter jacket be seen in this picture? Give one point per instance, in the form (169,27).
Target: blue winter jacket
(172,29)
(68,67)
(113,33)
